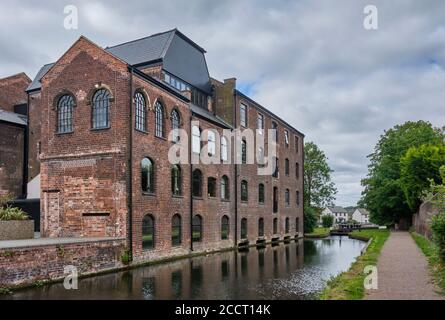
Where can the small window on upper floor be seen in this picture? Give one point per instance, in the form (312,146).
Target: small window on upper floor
(224,149)
(196,140)
(243,115)
(159,120)
(286,138)
(211,143)
(275,127)
(101,109)
(211,187)
(175,119)
(141,112)
(260,123)
(297,142)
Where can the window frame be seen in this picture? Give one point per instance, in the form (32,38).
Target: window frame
(69,103)
(159,120)
(175,119)
(150,179)
(195,225)
(244,191)
(261,193)
(179,227)
(153,232)
(225,227)
(197,179)
(100,110)
(243,115)
(211,183)
(140,114)
(176,180)
(225,188)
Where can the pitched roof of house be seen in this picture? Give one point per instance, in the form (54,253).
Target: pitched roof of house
(35,84)
(12,117)
(338,209)
(363,211)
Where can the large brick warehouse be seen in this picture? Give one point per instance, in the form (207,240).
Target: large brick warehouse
(103,122)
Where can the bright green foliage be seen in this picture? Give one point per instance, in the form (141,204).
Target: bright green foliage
(438,230)
(418,167)
(327,221)
(10,213)
(310,219)
(319,190)
(383,195)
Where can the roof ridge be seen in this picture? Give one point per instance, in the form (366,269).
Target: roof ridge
(16,75)
(142,38)
(168,43)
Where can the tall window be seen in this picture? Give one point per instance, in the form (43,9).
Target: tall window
(297,198)
(101,106)
(141,111)
(196,139)
(243,115)
(65,110)
(260,227)
(147,175)
(287,197)
(211,143)
(260,158)
(176,230)
(286,225)
(275,199)
(297,223)
(286,138)
(148,232)
(275,127)
(275,225)
(224,149)
(297,170)
(276,168)
(197,183)
(243,228)
(176,180)
(225,189)
(225,228)
(175,125)
(286,167)
(211,187)
(159,120)
(197,228)
(261,193)
(244,193)
(260,123)
(297,142)
(243,151)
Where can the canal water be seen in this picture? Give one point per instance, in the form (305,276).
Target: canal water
(295,270)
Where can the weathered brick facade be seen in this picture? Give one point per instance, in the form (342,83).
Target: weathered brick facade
(12,91)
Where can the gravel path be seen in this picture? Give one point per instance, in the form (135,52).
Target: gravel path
(403,272)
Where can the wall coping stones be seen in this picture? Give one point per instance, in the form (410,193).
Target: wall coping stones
(41,242)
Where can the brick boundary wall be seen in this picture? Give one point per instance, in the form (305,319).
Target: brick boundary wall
(422,219)
(27,265)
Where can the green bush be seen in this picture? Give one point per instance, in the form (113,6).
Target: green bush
(438,230)
(310,219)
(10,213)
(327,221)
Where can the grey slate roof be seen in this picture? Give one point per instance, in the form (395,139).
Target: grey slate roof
(338,209)
(12,117)
(35,84)
(209,116)
(363,211)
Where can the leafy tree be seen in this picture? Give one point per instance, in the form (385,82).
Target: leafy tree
(327,221)
(319,190)
(383,195)
(310,219)
(418,167)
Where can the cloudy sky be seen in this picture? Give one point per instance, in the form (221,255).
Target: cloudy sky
(310,62)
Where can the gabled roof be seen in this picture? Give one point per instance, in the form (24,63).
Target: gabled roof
(338,209)
(35,84)
(207,115)
(363,211)
(12,117)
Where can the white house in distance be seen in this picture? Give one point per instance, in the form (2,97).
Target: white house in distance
(340,214)
(361,215)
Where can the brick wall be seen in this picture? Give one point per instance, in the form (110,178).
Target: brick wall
(11,159)
(422,219)
(20,266)
(12,91)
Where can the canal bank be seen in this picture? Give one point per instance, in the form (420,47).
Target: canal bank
(294,270)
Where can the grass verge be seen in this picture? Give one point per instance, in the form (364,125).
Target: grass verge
(436,265)
(318,233)
(348,285)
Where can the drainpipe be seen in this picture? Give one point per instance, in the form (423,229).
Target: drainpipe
(130,169)
(235,170)
(25,153)
(191,184)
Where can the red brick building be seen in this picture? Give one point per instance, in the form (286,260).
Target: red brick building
(103,122)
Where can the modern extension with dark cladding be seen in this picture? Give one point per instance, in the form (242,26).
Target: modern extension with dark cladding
(100,121)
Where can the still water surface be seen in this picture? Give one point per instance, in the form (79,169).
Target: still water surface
(296,270)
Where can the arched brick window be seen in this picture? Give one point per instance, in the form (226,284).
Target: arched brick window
(197,228)
(175,119)
(141,112)
(225,188)
(275,225)
(197,183)
(225,228)
(261,193)
(260,227)
(244,191)
(176,230)
(148,232)
(65,111)
(244,228)
(286,225)
(147,175)
(101,109)
(159,120)
(176,180)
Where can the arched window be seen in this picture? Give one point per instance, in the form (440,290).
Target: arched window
(276,169)
(225,228)
(297,170)
(261,193)
(260,156)
(244,191)
(297,198)
(275,199)
(286,167)
(175,125)
(141,111)
(286,225)
(244,228)
(197,183)
(65,111)
(148,232)
(101,109)
(176,230)
(176,180)
(196,140)
(211,143)
(147,175)
(243,151)
(197,228)
(225,190)
(260,227)
(159,120)
(224,149)
(287,197)
(297,223)
(275,225)
(211,187)
(275,127)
